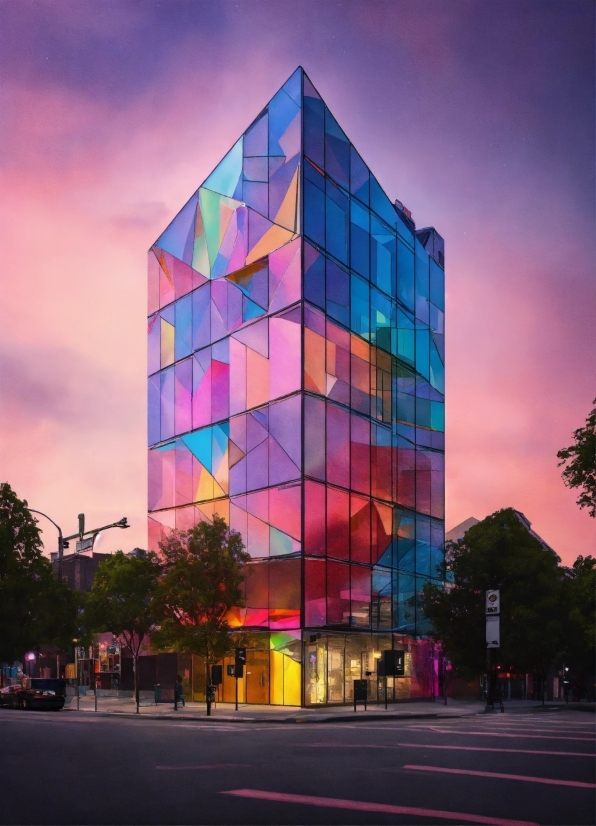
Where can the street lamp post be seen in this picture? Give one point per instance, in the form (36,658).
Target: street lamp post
(60,541)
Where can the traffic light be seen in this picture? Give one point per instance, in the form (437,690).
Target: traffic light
(240,662)
(81,526)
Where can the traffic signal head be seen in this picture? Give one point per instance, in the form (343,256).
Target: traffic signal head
(81,525)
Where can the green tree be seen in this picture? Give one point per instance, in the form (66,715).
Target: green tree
(122,600)
(579,649)
(499,552)
(35,609)
(202,579)
(580,461)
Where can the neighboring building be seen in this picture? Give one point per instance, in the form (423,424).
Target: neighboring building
(78,569)
(458,532)
(296,387)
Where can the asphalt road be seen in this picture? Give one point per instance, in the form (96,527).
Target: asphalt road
(69,768)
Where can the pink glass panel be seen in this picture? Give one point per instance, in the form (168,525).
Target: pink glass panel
(315,592)
(338,446)
(360,528)
(338,519)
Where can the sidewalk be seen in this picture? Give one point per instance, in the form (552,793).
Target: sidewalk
(225,712)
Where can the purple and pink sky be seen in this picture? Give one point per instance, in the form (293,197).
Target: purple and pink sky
(479,116)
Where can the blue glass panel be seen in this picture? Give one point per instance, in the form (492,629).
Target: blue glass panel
(405,274)
(422,545)
(360,306)
(201,323)
(183,336)
(293,84)
(337,151)
(422,352)
(314,213)
(404,230)
(383,256)
(336,234)
(404,529)
(404,609)
(359,239)
(314,276)
(381,203)
(255,138)
(282,111)
(338,293)
(314,125)
(359,176)
(406,408)
(437,285)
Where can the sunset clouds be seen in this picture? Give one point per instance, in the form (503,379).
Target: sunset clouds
(478,116)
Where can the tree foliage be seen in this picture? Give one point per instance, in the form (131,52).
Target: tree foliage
(499,552)
(579,602)
(201,580)
(580,462)
(35,609)
(123,600)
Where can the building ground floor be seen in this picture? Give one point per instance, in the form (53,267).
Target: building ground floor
(307,668)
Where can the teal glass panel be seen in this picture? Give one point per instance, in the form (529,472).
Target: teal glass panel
(382,318)
(423,352)
(405,275)
(404,595)
(437,415)
(403,230)
(336,225)
(437,371)
(423,412)
(406,408)
(422,283)
(359,239)
(226,178)
(359,177)
(360,306)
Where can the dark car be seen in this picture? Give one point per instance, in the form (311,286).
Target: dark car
(15,696)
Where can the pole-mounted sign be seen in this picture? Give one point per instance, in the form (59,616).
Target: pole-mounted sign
(493,602)
(493,624)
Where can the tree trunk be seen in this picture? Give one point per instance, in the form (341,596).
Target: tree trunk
(207,682)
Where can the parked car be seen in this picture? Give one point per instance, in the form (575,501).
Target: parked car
(15,696)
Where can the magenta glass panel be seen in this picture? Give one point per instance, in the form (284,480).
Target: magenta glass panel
(315,606)
(183,396)
(220,381)
(360,536)
(423,473)
(201,389)
(338,592)
(314,518)
(338,446)
(406,477)
(167,403)
(338,522)
(162,466)
(153,283)
(314,437)
(284,356)
(153,344)
(382,524)
(285,509)
(360,594)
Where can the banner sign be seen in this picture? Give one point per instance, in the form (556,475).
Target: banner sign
(493,632)
(493,602)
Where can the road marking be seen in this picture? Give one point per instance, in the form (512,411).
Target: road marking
(502,734)
(536,728)
(362,806)
(547,780)
(509,751)
(423,746)
(211,766)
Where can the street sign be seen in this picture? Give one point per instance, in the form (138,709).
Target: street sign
(493,632)
(493,602)
(85,544)
(394,663)
(360,691)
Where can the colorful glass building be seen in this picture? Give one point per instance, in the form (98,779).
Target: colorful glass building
(296,388)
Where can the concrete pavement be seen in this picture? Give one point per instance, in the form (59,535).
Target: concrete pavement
(225,712)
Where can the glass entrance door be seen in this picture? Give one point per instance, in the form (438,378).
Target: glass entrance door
(257,677)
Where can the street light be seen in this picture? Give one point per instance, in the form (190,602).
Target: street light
(61,542)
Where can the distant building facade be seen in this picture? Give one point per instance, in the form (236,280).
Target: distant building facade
(296,388)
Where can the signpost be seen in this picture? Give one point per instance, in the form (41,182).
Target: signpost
(493,639)
(393,664)
(360,692)
(239,663)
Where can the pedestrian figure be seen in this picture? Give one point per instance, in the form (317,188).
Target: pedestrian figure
(179,691)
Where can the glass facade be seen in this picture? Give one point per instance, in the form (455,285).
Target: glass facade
(296,388)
